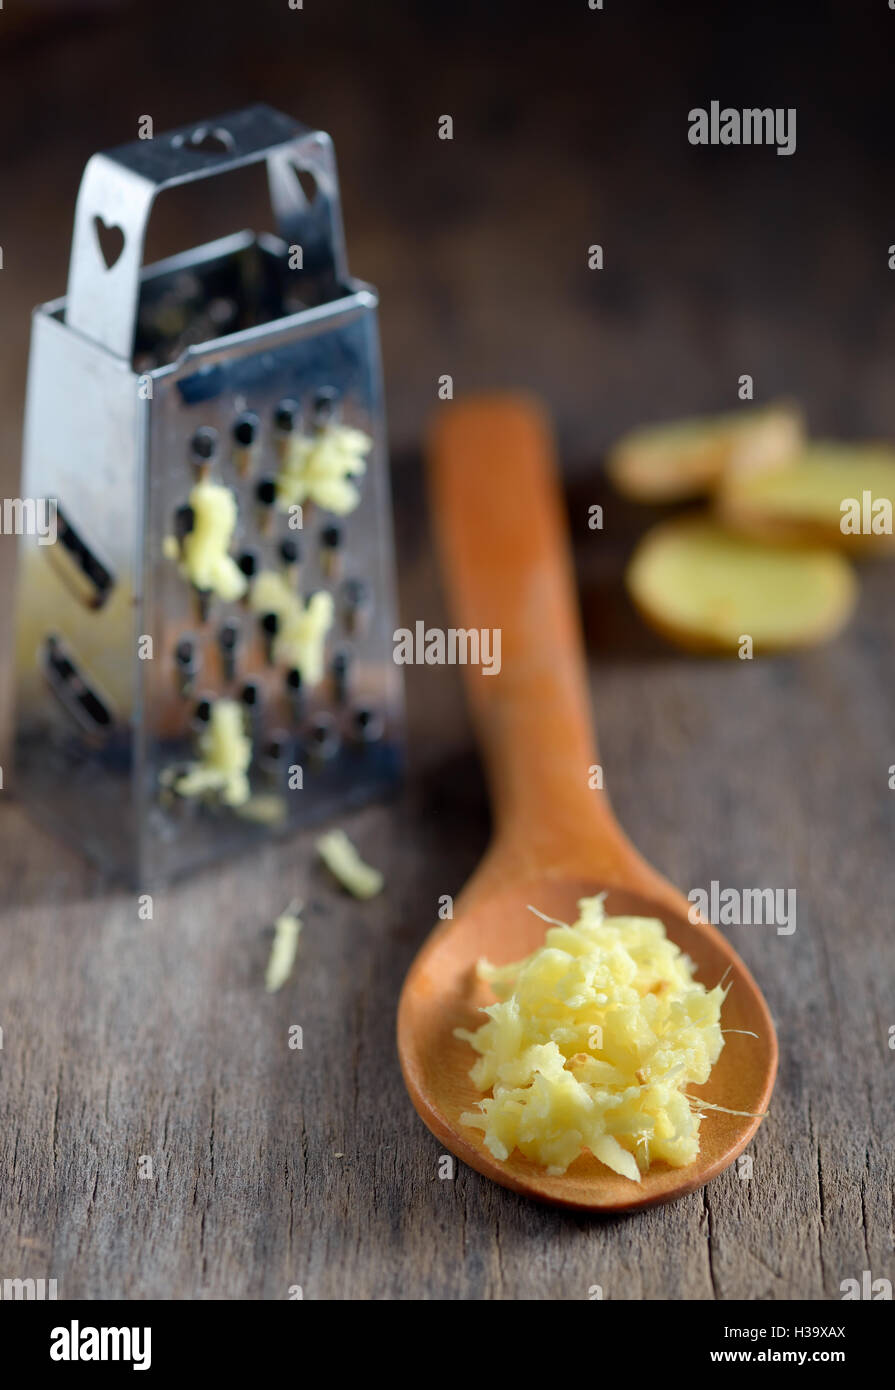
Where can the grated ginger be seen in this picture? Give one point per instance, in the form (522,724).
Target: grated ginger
(593,1039)
(319,468)
(202,554)
(225,752)
(345,864)
(287,929)
(303,626)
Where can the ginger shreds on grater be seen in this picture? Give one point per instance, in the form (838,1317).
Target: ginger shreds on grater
(320,468)
(303,625)
(203,553)
(225,753)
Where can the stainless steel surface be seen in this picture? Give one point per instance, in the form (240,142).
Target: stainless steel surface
(120,186)
(194,344)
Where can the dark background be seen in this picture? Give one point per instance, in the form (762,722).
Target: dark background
(570,127)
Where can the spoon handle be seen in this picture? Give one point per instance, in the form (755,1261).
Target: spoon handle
(503,538)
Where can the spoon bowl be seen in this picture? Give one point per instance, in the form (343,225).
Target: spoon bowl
(443,993)
(505,555)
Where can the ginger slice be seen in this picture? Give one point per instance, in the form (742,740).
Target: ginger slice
(836,494)
(667,463)
(705,588)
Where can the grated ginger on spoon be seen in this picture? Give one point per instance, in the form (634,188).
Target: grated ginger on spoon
(590,1046)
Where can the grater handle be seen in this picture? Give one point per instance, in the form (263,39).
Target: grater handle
(119,188)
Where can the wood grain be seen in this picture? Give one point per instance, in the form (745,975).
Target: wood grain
(124,1038)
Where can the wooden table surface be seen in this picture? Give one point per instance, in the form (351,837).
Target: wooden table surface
(124,1039)
(274,1167)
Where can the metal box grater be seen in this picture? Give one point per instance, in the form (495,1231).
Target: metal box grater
(216,364)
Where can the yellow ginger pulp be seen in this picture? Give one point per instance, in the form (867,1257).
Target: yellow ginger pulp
(319,468)
(593,1040)
(345,864)
(287,929)
(225,752)
(203,556)
(301,635)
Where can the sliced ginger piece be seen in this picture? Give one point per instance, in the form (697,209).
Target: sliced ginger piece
(802,503)
(705,588)
(667,463)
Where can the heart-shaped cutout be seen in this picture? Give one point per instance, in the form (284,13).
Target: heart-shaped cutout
(204,140)
(110,240)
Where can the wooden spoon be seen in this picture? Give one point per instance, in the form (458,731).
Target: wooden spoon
(504,547)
